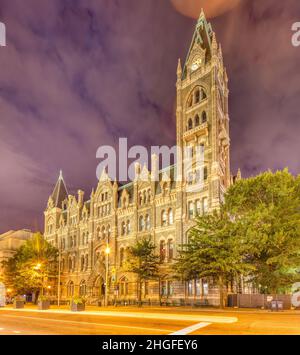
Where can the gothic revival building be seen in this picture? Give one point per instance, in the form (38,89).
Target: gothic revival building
(117,215)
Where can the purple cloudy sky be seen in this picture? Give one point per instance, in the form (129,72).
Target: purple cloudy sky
(78,74)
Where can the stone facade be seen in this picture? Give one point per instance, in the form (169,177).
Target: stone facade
(117,215)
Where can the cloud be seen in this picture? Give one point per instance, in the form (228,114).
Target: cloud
(212,8)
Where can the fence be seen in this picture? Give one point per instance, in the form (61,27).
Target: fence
(258,300)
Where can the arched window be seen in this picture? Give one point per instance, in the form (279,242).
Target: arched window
(164,218)
(128,227)
(204,117)
(70,289)
(140,199)
(82,263)
(170,249)
(82,288)
(205,205)
(205,173)
(86,262)
(198,207)
(141,223)
(162,250)
(190,124)
(62,265)
(70,264)
(197,121)
(191,210)
(122,256)
(170,216)
(123,286)
(197,96)
(149,196)
(103,233)
(123,228)
(148,222)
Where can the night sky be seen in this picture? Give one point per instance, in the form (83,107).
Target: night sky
(78,74)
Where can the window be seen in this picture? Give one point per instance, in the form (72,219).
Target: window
(123,228)
(86,262)
(82,288)
(70,289)
(122,256)
(204,117)
(123,286)
(103,233)
(205,205)
(62,266)
(190,124)
(197,121)
(164,288)
(170,249)
(170,216)
(162,251)
(191,210)
(164,218)
(128,227)
(198,207)
(98,233)
(82,263)
(205,173)
(197,96)
(141,223)
(148,225)
(70,265)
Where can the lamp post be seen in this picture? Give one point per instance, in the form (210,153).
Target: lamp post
(107,252)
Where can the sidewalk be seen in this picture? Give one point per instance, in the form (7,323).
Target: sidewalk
(94,310)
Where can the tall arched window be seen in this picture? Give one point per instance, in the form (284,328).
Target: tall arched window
(162,250)
(190,124)
(170,249)
(82,263)
(82,288)
(123,228)
(70,289)
(164,218)
(141,223)
(197,96)
(70,264)
(86,261)
(204,117)
(147,222)
(170,216)
(197,121)
(128,227)
(123,286)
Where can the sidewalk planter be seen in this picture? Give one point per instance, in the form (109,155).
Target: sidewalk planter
(19,304)
(43,305)
(80,307)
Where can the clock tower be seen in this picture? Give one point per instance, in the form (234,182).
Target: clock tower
(202,121)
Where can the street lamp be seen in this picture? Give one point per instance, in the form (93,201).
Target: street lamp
(107,252)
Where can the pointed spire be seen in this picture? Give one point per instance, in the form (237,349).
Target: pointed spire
(214,43)
(239,175)
(179,68)
(202,15)
(60,192)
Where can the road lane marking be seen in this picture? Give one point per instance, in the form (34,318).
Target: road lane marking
(170,316)
(16,332)
(91,323)
(191,329)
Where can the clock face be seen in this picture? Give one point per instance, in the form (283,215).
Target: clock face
(196,64)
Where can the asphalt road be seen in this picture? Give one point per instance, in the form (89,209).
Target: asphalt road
(147,322)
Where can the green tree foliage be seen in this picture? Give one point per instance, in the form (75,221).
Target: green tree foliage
(143,261)
(214,251)
(255,234)
(31,266)
(269,207)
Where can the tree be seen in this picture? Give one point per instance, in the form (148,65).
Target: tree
(268,206)
(31,266)
(143,262)
(213,251)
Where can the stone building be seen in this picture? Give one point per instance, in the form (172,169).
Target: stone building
(116,216)
(10,242)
